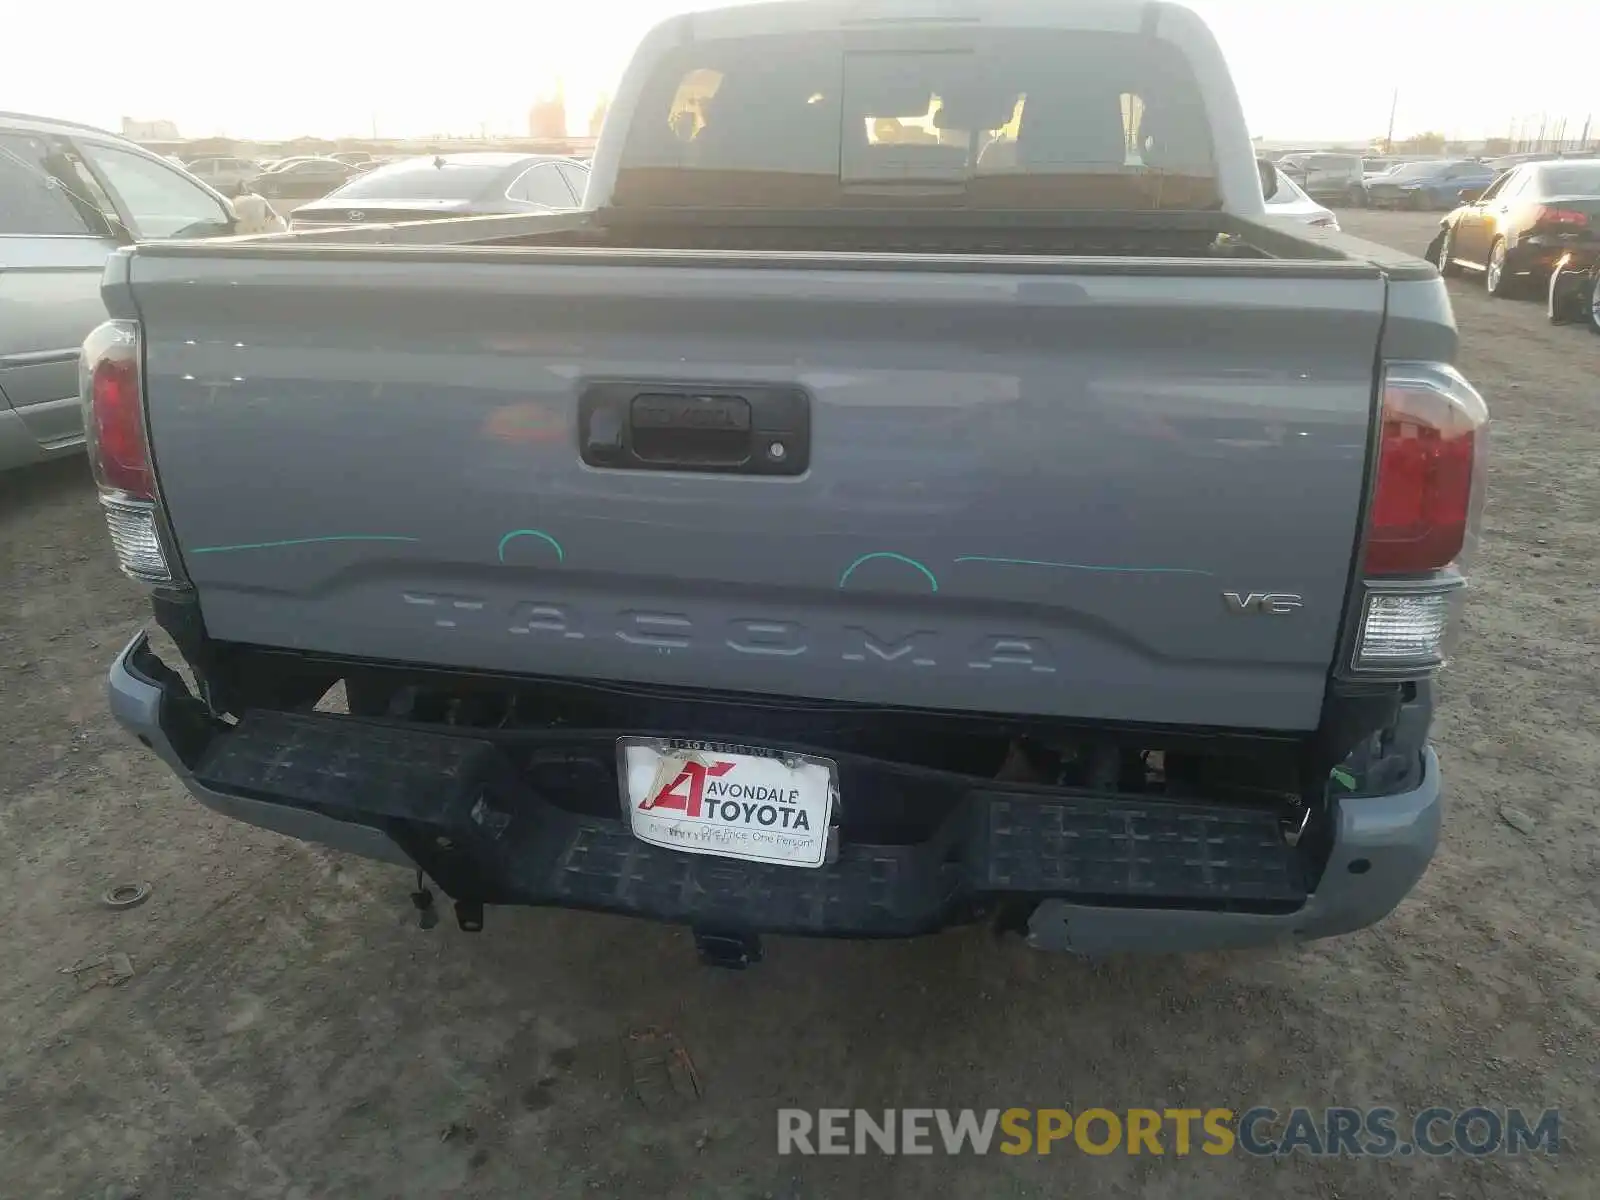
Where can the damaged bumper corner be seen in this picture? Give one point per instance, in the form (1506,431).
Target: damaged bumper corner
(151,702)
(1382,846)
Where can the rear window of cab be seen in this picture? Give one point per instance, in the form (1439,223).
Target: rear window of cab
(1013,119)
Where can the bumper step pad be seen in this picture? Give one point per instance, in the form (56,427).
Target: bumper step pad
(461,808)
(1123,847)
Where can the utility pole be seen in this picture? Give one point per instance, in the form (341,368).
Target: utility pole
(1583,142)
(1394,104)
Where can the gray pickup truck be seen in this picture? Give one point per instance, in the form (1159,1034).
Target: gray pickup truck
(922,486)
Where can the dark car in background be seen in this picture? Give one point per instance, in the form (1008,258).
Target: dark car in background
(1325,176)
(1524,224)
(227,173)
(1374,170)
(451,185)
(1427,185)
(301,178)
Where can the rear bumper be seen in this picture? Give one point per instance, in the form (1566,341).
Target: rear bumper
(1084,872)
(1381,847)
(1541,253)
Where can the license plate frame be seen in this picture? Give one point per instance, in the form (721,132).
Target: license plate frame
(765,805)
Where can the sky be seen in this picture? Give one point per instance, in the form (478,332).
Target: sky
(1305,71)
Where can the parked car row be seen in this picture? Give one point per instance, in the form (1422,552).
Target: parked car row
(1430,184)
(1387,182)
(298,176)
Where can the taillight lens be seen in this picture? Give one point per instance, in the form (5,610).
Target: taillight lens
(1406,627)
(1549,215)
(136,538)
(119,451)
(1427,493)
(112,393)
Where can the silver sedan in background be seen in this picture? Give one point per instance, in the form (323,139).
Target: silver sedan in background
(71,194)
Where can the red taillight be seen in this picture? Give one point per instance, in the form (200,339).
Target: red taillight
(1561,216)
(119,452)
(1430,455)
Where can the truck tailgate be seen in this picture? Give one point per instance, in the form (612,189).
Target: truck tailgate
(1055,489)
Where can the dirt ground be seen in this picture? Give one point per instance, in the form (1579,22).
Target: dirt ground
(289,1032)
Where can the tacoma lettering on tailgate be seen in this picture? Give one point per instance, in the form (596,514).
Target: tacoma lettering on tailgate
(652,630)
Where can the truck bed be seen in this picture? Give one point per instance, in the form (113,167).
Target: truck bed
(959,233)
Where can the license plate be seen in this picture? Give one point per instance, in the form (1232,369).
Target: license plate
(765,806)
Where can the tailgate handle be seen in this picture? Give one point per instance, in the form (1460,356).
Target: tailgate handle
(755,430)
(691,431)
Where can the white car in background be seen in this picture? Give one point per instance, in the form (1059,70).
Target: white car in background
(1290,200)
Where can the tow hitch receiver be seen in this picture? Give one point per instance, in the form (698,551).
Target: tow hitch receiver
(734,951)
